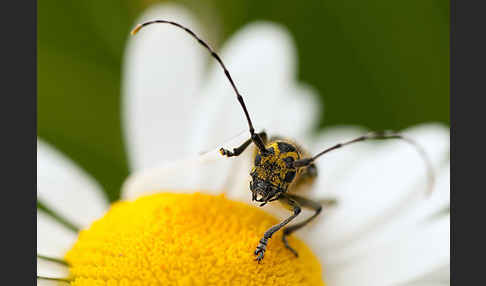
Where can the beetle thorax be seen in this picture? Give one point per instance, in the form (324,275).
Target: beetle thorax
(272,172)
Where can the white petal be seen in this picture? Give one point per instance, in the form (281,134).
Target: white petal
(427,284)
(43,282)
(239,189)
(295,114)
(402,222)
(261,59)
(53,239)
(401,261)
(210,172)
(66,189)
(334,167)
(381,183)
(442,276)
(163,70)
(51,269)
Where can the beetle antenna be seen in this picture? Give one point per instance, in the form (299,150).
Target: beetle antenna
(378,135)
(255,137)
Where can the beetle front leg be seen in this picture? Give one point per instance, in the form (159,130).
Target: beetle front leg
(306,203)
(238,150)
(262,245)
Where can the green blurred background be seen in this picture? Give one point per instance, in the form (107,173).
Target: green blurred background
(380,64)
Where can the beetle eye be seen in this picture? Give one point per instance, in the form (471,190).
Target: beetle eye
(289,176)
(258,159)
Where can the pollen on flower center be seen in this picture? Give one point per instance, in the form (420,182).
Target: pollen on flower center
(186,239)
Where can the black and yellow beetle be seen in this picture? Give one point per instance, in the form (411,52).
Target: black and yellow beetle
(281,166)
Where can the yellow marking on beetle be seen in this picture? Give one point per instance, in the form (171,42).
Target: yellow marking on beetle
(273,168)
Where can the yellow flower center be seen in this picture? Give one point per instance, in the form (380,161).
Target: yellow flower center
(186,239)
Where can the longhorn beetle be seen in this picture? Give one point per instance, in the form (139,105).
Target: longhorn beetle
(281,166)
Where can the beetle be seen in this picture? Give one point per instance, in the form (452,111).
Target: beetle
(281,167)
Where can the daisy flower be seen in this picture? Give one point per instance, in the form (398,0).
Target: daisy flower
(186,216)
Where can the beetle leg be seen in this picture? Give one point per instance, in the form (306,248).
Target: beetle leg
(262,245)
(238,150)
(307,204)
